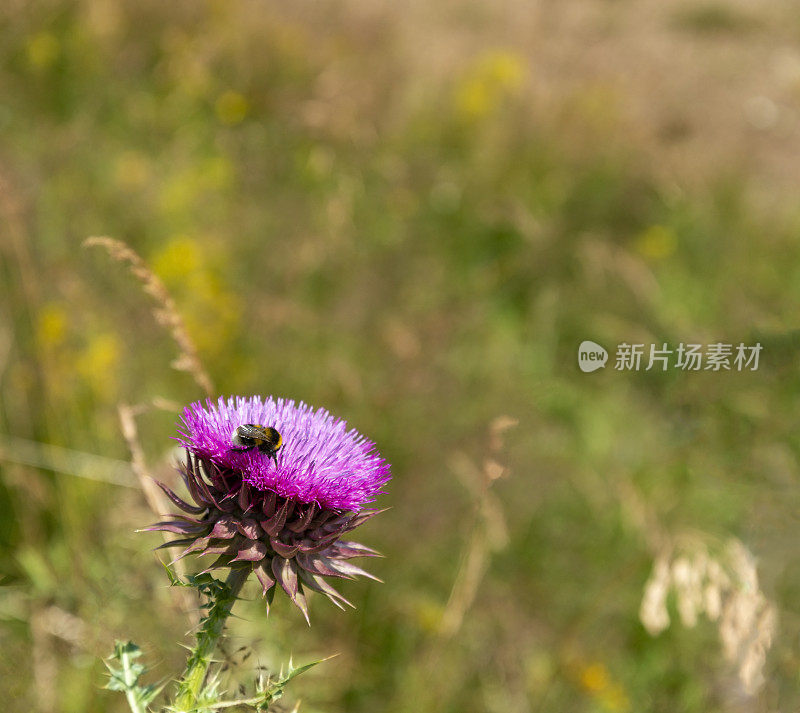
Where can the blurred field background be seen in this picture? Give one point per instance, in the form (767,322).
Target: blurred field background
(412,213)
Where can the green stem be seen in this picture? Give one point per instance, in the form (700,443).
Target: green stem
(191,684)
(131,680)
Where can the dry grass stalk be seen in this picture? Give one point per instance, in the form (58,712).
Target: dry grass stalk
(44,662)
(166,314)
(153,494)
(163,404)
(489,532)
(723,587)
(46,456)
(65,626)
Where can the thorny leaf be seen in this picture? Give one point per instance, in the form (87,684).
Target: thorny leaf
(126,677)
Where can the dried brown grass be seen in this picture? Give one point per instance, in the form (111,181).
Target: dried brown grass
(166,313)
(724,587)
(705,578)
(488,533)
(153,494)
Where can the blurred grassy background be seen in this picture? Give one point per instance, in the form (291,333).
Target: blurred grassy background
(412,214)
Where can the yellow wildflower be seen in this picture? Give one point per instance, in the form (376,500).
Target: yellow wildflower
(494,76)
(656,242)
(231,107)
(43,49)
(97,363)
(51,325)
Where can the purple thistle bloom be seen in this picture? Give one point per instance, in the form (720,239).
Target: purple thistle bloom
(281,512)
(320,461)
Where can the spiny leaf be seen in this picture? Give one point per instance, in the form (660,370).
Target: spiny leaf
(126,677)
(275,690)
(174,579)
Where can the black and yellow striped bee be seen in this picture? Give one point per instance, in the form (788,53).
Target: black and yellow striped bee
(253,435)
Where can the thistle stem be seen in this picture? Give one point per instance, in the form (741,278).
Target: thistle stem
(131,679)
(212,626)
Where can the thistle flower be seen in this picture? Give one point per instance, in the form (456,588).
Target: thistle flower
(280,516)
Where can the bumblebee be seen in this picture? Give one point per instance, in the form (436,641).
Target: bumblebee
(253,435)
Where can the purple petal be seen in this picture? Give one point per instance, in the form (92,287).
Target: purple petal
(321,460)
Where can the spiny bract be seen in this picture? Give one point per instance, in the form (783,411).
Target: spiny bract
(283,520)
